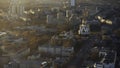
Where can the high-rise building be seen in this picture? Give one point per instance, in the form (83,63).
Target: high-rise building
(49,19)
(68,13)
(16,9)
(72,3)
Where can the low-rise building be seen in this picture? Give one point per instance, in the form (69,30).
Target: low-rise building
(57,50)
(108,60)
(30,64)
(12,65)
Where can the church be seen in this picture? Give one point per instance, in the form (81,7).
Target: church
(84,28)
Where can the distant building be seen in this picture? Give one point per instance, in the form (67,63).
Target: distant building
(17,52)
(68,13)
(72,3)
(55,18)
(4,60)
(30,64)
(98,65)
(104,65)
(60,15)
(16,9)
(109,65)
(12,65)
(22,52)
(66,35)
(56,50)
(108,60)
(49,19)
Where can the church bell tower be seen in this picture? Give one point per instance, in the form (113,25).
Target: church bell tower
(84,28)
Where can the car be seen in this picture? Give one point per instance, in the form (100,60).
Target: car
(98,65)
(44,64)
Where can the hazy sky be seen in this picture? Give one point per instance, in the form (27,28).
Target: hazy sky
(30,1)
(4,3)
